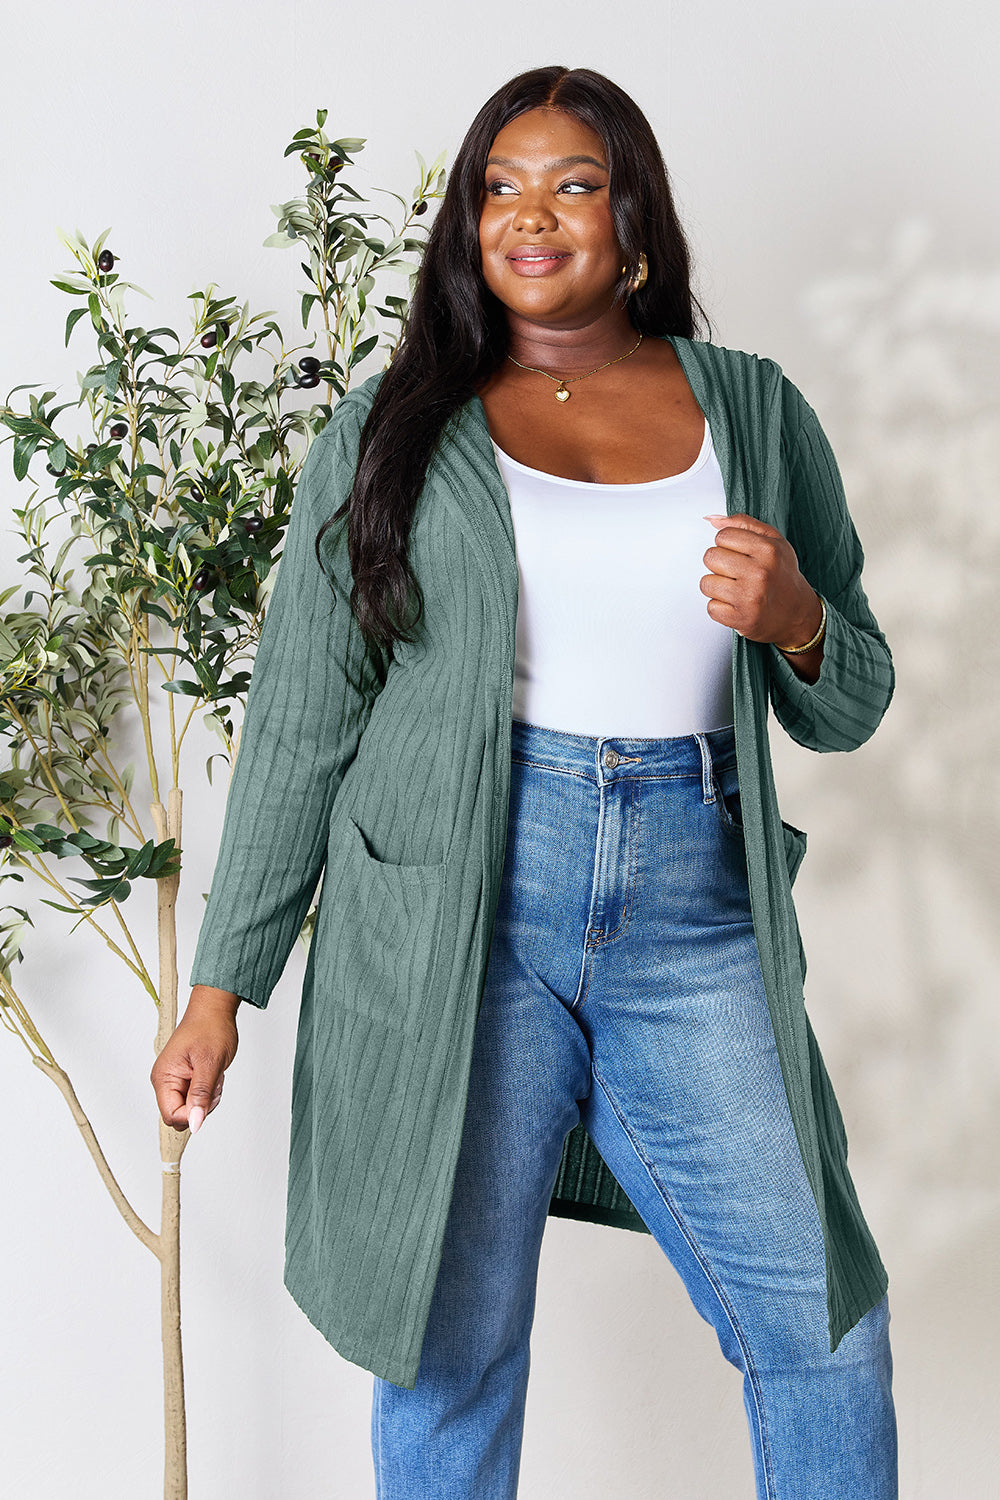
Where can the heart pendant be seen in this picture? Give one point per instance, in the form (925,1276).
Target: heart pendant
(562,394)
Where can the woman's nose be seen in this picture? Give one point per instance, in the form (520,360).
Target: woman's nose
(534,214)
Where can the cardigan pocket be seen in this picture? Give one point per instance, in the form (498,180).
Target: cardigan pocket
(381,931)
(795,848)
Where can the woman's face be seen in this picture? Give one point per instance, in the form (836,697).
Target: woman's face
(549,249)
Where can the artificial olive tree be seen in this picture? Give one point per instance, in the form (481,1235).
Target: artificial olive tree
(148,556)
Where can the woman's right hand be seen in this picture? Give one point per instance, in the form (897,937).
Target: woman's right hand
(187,1075)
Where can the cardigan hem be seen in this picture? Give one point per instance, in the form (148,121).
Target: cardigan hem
(593,1213)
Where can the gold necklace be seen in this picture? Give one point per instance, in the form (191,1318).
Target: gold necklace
(562,394)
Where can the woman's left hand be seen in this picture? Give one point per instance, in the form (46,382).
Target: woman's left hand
(755,587)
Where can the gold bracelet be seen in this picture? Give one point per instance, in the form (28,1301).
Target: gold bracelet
(821,632)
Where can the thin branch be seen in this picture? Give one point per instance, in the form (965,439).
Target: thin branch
(139,1228)
(46,766)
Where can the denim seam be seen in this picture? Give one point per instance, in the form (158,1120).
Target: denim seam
(378,1438)
(584,981)
(600,935)
(734,1323)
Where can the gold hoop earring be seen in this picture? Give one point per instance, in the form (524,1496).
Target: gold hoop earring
(639,279)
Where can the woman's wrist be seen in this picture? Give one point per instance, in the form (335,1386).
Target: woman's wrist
(205,997)
(810,635)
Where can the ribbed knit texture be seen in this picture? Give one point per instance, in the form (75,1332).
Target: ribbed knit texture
(399,799)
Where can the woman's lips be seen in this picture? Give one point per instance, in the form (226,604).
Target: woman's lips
(536,265)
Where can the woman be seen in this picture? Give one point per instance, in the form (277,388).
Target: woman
(555,967)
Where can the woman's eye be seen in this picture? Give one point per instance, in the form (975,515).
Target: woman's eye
(495,188)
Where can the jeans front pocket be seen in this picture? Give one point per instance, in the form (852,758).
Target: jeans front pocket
(727,799)
(379,930)
(727,802)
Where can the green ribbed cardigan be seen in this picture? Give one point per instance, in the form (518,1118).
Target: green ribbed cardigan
(398,797)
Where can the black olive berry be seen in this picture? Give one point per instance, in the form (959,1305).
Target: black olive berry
(5,840)
(91,447)
(203,579)
(58,473)
(105,261)
(119,430)
(253,524)
(421,207)
(209,340)
(309,365)
(308,381)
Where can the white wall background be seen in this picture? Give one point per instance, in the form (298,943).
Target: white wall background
(836,166)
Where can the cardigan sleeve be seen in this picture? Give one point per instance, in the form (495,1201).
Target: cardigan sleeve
(310,695)
(843,708)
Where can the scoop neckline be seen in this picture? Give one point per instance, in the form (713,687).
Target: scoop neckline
(590,484)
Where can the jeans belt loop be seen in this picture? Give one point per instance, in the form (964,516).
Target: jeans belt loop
(707,778)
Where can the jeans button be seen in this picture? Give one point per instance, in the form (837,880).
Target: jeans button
(611,758)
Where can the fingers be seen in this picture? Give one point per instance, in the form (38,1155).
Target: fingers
(726,590)
(179,1097)
(171,1096)
(189,1073)
(724,614)
(203,1096)
(743,522)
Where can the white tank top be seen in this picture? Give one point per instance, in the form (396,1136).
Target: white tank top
(613,636)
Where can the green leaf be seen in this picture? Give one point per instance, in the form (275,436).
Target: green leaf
(112,375)
(140,861)
(24,449)
(25,841)
(227,384)
(207,677)
(72,320)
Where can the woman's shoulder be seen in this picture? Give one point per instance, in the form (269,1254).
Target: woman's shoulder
(722,359)
(343,430)
(755,377)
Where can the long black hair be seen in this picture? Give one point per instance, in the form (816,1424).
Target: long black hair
(456,332)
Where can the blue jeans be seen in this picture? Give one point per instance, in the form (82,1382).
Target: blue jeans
(624,989)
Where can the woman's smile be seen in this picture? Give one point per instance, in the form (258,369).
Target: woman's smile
(536,260)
